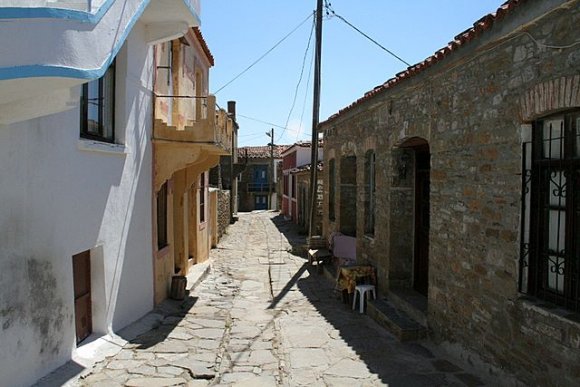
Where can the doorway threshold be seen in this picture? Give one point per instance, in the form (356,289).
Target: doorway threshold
(411,302)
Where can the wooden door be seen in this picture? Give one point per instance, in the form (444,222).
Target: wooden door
(421,259)
(82,294)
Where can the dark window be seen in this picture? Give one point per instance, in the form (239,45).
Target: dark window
(202,198)
(98,107)
(550,259)
(286,185)
(370,193)
(162,217)
(331,189)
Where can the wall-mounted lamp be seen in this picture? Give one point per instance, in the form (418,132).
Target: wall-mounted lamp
(403,165)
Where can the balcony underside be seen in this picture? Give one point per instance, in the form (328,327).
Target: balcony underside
(204,134)
(59,53)
(171,156)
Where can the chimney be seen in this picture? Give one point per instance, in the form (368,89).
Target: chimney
(232,109)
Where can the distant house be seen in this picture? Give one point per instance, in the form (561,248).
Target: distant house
(295,156)
(302,177)
(256,188)
(460,179)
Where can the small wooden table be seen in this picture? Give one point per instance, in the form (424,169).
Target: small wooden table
(347,277)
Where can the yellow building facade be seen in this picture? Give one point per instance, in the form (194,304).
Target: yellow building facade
(189,136)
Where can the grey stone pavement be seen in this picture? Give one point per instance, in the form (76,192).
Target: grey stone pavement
(262,318)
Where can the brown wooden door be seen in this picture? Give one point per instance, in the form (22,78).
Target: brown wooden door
(82,290)
(421,261)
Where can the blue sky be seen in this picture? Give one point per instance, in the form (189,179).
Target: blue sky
(239,32)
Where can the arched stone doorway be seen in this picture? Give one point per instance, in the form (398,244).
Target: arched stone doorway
(410,219)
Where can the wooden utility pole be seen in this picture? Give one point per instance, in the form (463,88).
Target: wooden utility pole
(315,120)
(271,168)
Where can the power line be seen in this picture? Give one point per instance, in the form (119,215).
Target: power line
(305,94)
(365,35)
(261,121)
(299,81)
(264,55)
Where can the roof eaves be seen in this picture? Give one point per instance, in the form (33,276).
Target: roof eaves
(460,40)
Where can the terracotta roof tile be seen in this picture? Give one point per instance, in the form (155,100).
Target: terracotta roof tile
(306,167)
(260,152)
(197,33)
(460,40)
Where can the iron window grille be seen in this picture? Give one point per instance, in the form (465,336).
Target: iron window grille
(98,107)
(550,241)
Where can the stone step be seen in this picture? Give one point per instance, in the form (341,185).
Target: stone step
(395,321)
(411,302)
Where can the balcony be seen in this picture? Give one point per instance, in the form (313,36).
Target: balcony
(261,187)
(69,42)
(195,121)
(39,6)
(62,8)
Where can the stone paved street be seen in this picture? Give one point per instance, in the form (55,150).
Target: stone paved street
(260,318)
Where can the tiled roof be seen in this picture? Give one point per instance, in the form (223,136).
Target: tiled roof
(461,40)
(259,152)
(204,46)
(306,167)
(303,144)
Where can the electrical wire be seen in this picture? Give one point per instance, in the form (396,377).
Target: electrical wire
(331,11)
(261,121)
(264,55)
(299,81)
(305,95)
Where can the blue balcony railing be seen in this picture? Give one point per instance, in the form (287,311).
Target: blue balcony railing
(261,187)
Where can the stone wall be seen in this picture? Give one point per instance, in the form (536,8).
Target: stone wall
(473,109)
(223,210)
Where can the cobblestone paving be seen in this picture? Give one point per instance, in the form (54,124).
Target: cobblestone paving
(260,318)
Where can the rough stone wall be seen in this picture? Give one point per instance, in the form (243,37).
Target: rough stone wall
(472,108)
(223,211)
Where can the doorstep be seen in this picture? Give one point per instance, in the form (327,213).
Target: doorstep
(196,274)
(395,320)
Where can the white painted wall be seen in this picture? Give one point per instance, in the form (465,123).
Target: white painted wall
(303,155)
(60,196)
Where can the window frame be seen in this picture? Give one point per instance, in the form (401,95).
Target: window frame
(332,189)
(105,103)
(370,192)
(162,218)
(551,185)
(202,199)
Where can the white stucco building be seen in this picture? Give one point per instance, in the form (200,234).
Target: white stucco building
(76,172)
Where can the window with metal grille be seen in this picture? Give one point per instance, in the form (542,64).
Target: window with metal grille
(162,217)
(98,107)
(202,198)
(370,193)
(550,242)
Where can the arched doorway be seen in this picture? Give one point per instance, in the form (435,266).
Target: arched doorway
(422,209)
(410,218)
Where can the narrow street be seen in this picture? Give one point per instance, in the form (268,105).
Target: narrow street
(260,318)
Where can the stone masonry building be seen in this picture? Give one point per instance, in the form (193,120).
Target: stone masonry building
(460,178)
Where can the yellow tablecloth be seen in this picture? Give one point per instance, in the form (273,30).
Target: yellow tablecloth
(348,276)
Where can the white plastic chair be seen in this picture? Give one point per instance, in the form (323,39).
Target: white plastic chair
(362,291)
